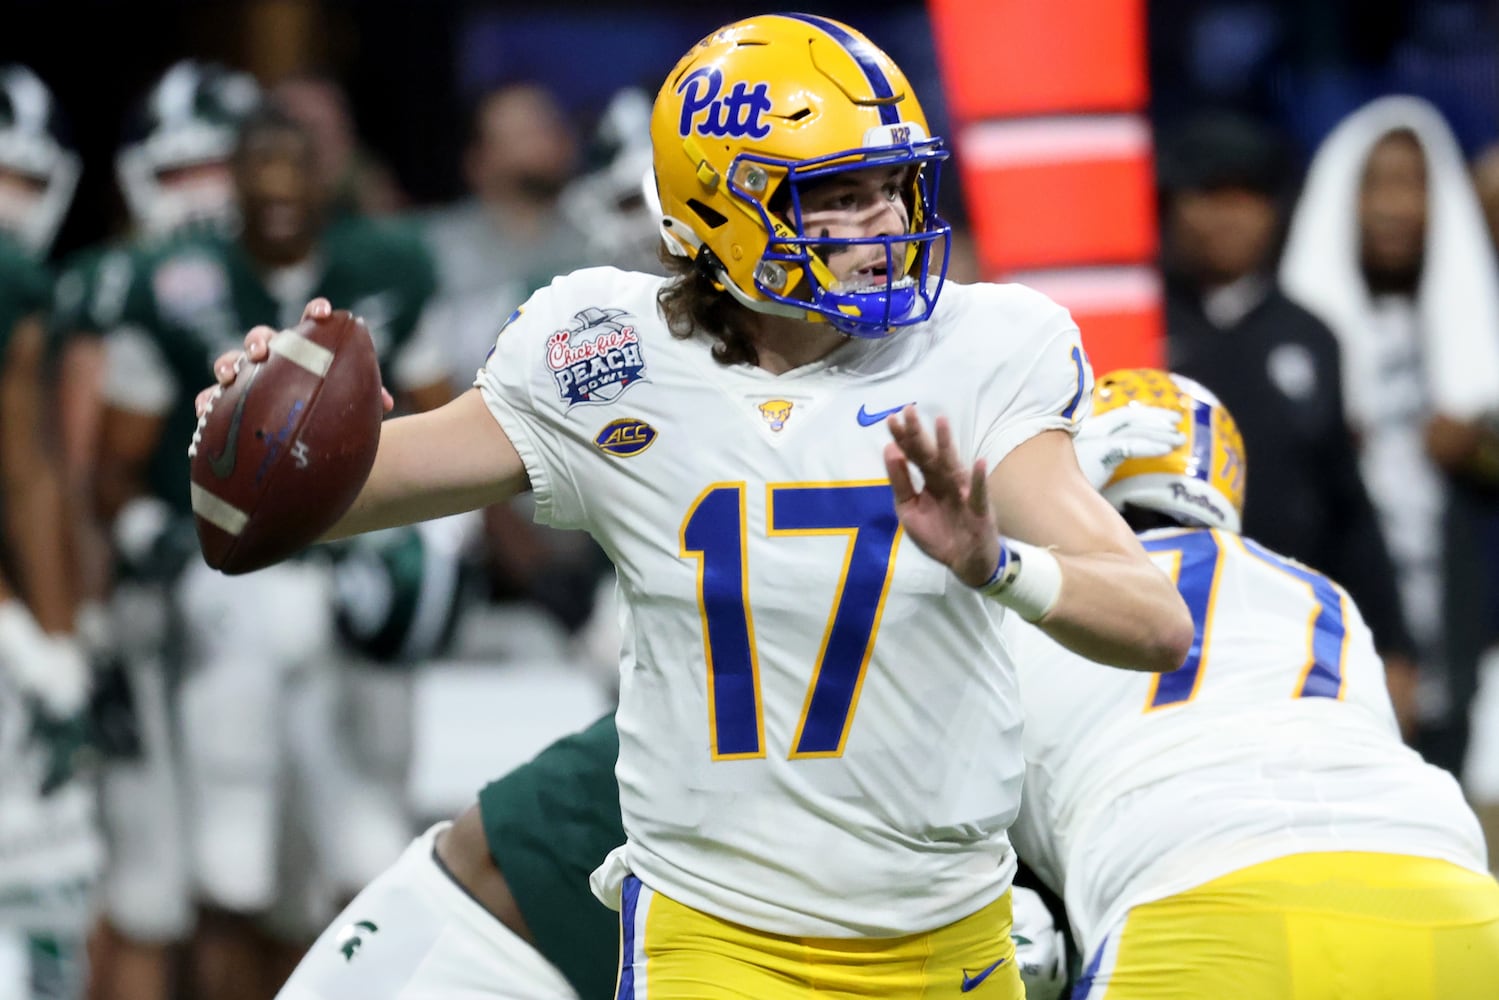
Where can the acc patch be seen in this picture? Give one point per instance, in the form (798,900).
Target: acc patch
(625,437)
(596,357)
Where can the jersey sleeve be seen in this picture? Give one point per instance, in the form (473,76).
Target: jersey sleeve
(515,384)
(1044,384)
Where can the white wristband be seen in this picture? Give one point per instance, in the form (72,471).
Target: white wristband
(1028,579)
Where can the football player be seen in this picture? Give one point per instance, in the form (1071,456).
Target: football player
(1250,824)
(50,849)
(818,722)
(173,170)
(257,703)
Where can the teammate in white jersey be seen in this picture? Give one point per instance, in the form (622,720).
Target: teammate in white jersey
(1249,825)
(819,728)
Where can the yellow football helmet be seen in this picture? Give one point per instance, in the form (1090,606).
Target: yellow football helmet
(753,114)
(1201,481)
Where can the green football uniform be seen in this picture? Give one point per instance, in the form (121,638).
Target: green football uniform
(194,297)
(549,824)
(91,289)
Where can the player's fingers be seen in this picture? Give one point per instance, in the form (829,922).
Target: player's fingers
(387,401)
(899,473)
(947,452)
(978,489)
(201,403)
(227,366)
(913,439)
(318,308)
(258,342)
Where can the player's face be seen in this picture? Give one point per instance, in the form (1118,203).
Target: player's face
(858,203)
(1219,236)
(1392,206)
(278,194)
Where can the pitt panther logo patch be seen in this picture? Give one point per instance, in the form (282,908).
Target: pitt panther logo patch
(738,114)
(596,358)
(776,412)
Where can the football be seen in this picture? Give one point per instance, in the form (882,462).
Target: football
(281,452)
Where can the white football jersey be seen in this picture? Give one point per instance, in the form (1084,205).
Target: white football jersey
(819,728)
(1275,737)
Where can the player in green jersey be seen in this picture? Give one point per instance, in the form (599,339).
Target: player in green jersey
(257,704)
(50,849)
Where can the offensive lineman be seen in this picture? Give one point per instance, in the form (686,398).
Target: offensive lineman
(1249,825)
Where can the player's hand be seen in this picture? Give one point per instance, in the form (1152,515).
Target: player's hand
(949,519)
(1108,439)
(257,347)
(50,668)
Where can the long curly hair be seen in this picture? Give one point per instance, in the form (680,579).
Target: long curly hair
(693,300)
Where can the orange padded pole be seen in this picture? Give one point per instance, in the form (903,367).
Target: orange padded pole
(1054,153)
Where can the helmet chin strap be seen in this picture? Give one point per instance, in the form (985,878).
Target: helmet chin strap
(681,241)
(762,305)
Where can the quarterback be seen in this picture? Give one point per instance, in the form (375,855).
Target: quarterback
(819,725)
(1250,824)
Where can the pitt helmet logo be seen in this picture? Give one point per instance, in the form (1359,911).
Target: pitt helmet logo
(625,437)
(776,412)
(737,114)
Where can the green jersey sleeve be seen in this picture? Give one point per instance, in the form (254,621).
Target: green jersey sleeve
(549,824)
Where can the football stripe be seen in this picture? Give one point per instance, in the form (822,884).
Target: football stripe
(218,512)
(302,352)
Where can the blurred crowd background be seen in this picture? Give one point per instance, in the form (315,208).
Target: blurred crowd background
(1327,183)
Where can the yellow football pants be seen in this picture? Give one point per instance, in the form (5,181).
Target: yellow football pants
(1333,926)
(672,952)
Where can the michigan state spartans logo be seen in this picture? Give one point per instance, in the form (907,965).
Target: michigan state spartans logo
(351,938)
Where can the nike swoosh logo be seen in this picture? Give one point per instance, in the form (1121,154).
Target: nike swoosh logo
(222,464)
(972,982)
(867,419)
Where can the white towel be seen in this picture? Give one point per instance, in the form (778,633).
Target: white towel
(1458,300)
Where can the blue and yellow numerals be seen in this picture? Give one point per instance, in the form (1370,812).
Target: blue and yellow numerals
(1197,563)
(715,533)
(1194,569)
(1327,633)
